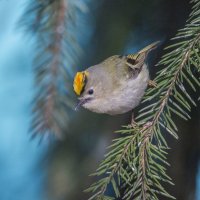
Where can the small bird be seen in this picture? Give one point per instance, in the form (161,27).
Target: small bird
(114,86)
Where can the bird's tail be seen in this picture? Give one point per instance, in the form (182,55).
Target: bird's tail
(137,60)
(149,47)
(145,50)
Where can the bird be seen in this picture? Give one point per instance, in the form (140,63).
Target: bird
(116,85)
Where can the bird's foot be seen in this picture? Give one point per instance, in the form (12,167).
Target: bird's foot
(146,125)
(133,123)
(152,83)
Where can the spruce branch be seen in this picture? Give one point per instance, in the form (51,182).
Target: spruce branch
(136,164)
(55,49)
(50,23)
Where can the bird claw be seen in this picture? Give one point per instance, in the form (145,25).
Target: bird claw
(146,125)
(152,83)
(133,123)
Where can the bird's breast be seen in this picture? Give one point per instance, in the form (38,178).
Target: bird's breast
(123,98)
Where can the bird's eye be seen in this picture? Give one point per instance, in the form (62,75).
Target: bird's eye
(90,91)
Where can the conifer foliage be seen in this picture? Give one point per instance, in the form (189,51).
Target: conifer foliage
(135,165)
(51,24)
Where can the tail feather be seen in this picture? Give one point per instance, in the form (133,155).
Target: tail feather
(138,59)
(146,49)
(149,47)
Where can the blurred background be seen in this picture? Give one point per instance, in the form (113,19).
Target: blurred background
(52,169)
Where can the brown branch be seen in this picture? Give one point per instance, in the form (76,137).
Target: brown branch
(148,131)
(143,165)
(55,50)
(165,99)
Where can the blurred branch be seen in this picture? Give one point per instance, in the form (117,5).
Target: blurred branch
(136,164)
(55,50)
(49,21)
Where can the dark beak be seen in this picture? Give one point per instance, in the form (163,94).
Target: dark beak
(81,102)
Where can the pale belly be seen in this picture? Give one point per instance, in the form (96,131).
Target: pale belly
(130,96)
(124,99)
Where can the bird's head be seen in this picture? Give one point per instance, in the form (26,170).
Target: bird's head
(87,87)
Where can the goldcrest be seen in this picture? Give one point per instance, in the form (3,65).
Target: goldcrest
(114,86)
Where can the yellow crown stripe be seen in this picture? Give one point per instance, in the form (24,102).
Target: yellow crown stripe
(79,82)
